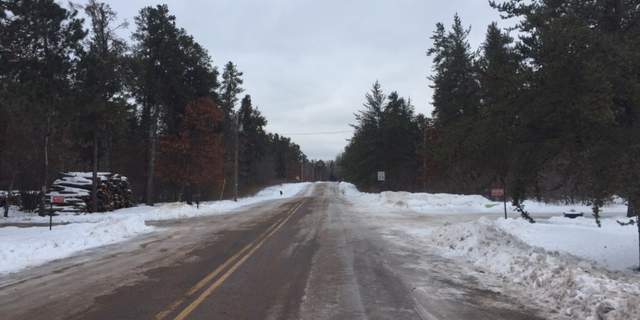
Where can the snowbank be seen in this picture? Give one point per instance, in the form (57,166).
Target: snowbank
(560,280)
(569,265)
(420,202)
(165,211)
(441,203)
(24,247)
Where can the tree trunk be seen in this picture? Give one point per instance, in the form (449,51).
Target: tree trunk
(94,184)
(153,133)
(638,224)
(7,201)
(43,189)
(188,195)
(631,208)
(108,142)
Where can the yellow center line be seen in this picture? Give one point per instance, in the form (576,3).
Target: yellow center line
(215,273)
(212,275)
(216,284)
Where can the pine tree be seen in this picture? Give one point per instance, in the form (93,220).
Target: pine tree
(173,71)
(400,137)
(231,88)
(39,42)
(455,98)
(385,139)
(501,84)
(101,80)
(253,141)
(364,153)
(228,93)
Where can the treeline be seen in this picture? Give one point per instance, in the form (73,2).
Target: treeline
(385,139)
(74,96)
(553,115)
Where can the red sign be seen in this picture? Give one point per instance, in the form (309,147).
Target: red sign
(497,192)
(57,199)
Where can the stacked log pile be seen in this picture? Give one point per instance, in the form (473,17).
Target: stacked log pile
(13,199)
(114,192)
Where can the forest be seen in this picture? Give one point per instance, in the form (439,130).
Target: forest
(76,97)
(553,115)
(547,109)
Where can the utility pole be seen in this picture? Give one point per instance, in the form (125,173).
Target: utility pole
(235,192)
(302,170)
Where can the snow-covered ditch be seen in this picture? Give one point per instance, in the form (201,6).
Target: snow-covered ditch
(24,247)
(569,266)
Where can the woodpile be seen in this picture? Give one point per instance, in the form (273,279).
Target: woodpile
(13,199)
(114,192)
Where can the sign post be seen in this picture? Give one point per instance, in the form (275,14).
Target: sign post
(500,193)
(54,199)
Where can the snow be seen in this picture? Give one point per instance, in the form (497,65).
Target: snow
(23,247)
(568,265)
(35,245)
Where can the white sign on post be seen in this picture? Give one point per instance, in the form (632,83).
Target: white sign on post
(380,175)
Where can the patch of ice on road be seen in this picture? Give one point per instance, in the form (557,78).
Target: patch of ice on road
(24,247)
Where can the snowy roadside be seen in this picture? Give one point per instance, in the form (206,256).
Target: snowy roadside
(35,245)
(569,266)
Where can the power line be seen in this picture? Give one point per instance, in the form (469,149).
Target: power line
(315,133)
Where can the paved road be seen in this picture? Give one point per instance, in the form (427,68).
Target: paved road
(306,257)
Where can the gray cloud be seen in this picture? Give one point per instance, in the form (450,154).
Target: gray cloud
(308,64)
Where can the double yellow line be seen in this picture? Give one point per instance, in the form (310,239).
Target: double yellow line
(251,247)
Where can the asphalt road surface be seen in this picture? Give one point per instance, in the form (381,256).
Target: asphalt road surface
(306,257)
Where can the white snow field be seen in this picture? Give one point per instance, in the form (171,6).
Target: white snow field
(30,246)
(568,266)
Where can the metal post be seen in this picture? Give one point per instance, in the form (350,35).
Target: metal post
(504,197)
(235,192)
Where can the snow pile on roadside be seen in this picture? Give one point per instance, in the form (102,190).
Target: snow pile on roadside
(24,247)
(442,203)
(27,247)
(612,246)
(420,202)
(166,211)
(561,281)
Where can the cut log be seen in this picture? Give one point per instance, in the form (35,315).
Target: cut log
(114,192)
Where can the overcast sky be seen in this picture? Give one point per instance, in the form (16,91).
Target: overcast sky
(308,64)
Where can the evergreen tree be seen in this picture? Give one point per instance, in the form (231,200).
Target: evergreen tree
(157,38)
(400,137)
(455,99)
(231,88)
(173,71)
(385,139)
(39,45)
(228,93)
(101,80)
(363,156)
(502,86)
(253,141)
